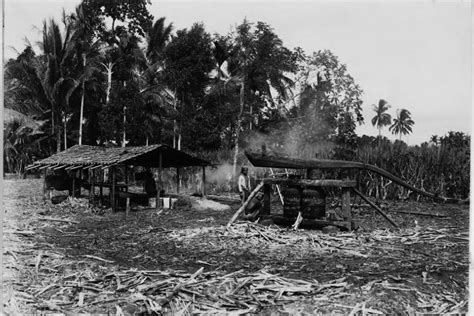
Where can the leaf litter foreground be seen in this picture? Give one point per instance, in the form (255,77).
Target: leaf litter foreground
(74,258)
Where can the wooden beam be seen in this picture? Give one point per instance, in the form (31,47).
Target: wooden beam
(313,183)
(261,160)
(378,209)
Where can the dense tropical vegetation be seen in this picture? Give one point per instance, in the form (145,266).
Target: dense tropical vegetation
(110,74)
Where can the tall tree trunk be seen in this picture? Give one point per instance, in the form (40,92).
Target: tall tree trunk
(124,122)
(237,132)
(65,132)
(251,118)
(108,67)
(81,116)
(175,124)
(58,139)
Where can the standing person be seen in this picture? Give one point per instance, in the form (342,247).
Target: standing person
(149,183)
(244,184)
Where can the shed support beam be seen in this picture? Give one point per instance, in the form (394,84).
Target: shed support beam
(112,195)
(74,184)
(91,188)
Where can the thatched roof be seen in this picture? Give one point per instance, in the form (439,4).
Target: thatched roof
(96,156)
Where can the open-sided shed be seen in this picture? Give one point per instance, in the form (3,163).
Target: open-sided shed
(85,157)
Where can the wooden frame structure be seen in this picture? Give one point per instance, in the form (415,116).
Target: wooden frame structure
(270,160)
(345,185)
(93,158)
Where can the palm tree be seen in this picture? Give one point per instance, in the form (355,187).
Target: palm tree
(381,118)
(55,74)
(160,102)
(87,50)
(402,124)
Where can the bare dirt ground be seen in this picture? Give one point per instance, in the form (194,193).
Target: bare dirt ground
(72,257)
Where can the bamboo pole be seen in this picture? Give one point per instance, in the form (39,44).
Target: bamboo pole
(244,206)
(378,209)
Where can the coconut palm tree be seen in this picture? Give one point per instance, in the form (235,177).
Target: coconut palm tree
(159,100)
(56,77)
(402,124)
(381,118)
(87,51)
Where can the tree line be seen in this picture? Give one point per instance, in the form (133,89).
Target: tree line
(109,73)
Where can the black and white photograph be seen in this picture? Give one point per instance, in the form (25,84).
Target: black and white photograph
(236,157)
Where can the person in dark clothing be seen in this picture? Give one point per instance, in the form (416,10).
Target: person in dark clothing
(149,183)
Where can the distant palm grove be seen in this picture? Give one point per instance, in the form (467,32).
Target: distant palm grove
(111,74)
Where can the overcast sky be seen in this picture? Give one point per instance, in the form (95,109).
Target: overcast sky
(415,54)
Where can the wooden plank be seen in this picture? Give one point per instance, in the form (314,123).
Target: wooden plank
(314,183)
(259,160)
(378,209)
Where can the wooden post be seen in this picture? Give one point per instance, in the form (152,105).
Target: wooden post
(126,177)
(158,184)
(266,210)
(101,187)
(177,180)
(44,183)
(91,187)
(203,186)
(127,207)
(73,184)
(346,204)
(112,196)
(80,182)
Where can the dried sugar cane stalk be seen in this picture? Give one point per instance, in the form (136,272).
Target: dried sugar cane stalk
(298,221)
(244,206)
